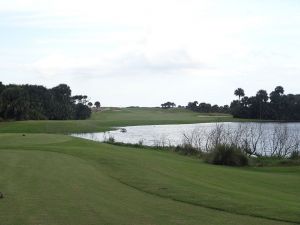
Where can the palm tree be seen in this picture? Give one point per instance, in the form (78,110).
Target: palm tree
(239,92)
(262,96)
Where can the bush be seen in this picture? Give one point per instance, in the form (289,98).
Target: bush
(111,139)
(186,149)
(228,155)
(140,142)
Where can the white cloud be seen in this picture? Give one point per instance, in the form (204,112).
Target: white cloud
(203,41)
(114,64)
(152,36)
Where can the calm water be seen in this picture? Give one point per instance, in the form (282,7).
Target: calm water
(173,134)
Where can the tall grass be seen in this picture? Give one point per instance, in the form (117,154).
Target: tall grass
(251,139)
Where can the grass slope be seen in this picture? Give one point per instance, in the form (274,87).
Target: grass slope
(56,179)
(105,120)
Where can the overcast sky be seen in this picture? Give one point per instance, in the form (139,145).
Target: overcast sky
(146,52)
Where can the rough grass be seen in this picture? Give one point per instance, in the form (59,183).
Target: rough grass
(109,118)
(56,179)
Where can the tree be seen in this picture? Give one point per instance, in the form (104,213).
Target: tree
(21,102)
(192,106)
(61,103)
(277,105)
(168,105)
(239,92)
(215,108)
(279,90)
(207,108)
(14,103)
(204,107)
(81,111)
(90,104)
(2,87)
(85,99)
(280,107)
(97,104)
(262,96)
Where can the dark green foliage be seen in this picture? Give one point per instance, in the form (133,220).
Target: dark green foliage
(1,87)
(39,99)
(97,104)
(14,103)
(187,149)
(228,155)
(60,103)
(80,99)
(33,102)
(168,105)
(275,106)
(267,161)
(81,111)
(239,92)
(207,108)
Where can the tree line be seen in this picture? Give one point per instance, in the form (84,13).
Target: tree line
(204,107)
(35,102)
(274,106)
(199,107)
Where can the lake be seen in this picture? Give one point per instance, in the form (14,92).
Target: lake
(173,135)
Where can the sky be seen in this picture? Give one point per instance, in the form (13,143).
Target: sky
(144,53)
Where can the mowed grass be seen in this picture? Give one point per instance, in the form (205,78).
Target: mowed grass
(57,179)
(109,118)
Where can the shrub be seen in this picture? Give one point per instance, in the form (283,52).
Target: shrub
(111,139)
(228,155)
(186,149)
(141,142)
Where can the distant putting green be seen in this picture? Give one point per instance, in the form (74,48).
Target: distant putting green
(109,118)
(56,179)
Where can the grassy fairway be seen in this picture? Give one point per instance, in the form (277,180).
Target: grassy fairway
(56,179)
(109,118)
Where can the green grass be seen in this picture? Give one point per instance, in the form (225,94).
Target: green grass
(56,179)
(105,120)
